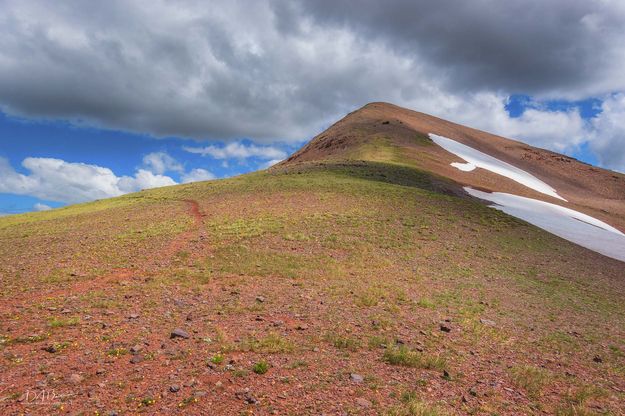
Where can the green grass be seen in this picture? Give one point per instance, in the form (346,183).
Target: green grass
(217,359)
(57,322)
(406,357)
(260,367)
(343,342)
(531,379)
(272,343)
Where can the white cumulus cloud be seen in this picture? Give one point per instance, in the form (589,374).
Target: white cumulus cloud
(41,207)
(237,150)
(196,175)
(161,162)
(57,180)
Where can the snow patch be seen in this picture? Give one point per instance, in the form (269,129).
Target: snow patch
(569,224)
(477,159)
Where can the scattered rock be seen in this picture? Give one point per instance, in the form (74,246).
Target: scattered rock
(179,333)
(260,299)
(597,359)
(136,359)
(133,316)
(445,327)
(302,327)
(100,371)
(51,349)
(487,322)
(219,384)
(363,402)
(356,378)
(473,392)
(75,379)
(446,375)
(246,396)
(135,349)
(174,388)
(189,316)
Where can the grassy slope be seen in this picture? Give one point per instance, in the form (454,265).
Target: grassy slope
(356,264)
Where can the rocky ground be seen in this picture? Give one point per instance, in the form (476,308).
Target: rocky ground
(343,290)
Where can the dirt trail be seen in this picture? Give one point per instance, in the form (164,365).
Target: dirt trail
(194,237)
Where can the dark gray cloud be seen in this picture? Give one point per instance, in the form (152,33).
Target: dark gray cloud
(558,47)
(282,70)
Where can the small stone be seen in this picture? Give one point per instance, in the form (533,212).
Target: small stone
(135,349)
(446,375)
(100,371)
(363,402)
(133,316)
(473,392)
(219,384)
(136,359)
(174,388)
(179,333)
(51,349)
(189,316)
(302,327)
(75,379)
(597,359)
(487,322)
(445,327)
(356,378)
(260,299)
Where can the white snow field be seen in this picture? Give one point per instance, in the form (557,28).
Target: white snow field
(569,224)
(477,159)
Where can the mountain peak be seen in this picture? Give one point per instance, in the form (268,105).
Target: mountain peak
(386,133)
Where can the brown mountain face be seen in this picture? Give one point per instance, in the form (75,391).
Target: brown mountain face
(384,132)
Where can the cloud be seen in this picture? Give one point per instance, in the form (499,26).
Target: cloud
(161,162)
(196,175)
(270,163)
(608,133)
(41,207)
(58,180)
(282,71)
(238,151)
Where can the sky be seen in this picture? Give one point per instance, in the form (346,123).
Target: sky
(98,99)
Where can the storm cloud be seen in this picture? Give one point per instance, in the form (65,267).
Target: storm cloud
(279,70)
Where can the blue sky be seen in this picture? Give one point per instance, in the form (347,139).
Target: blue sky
(99,102)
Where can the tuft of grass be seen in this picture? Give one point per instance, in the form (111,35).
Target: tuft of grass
(406,357)
(217,358)
(412,406)
(117,352)
(63,322)
(261,367)
(272,343)
(531,379)
(343,342)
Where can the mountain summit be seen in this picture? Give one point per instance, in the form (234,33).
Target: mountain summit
(366,274)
